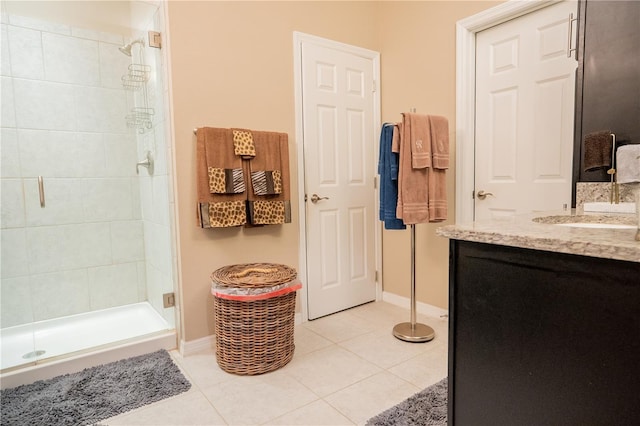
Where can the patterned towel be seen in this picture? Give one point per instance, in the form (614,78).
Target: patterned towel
(269,212)
(268,182)
(243,143)
(227,213)
(226,181)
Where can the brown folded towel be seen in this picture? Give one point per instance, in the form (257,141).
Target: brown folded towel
(597,150)
(422,192)
(439,141)
(413,184)
(437,195)
(440,162)
(214,148)
(419,133)
(272,154)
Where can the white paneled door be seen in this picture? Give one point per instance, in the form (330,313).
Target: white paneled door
(525,85)
(339,150)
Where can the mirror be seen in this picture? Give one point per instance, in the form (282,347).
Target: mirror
(608,78)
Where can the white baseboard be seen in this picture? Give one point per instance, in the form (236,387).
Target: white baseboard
(193,346)
(421,308)
(209,342)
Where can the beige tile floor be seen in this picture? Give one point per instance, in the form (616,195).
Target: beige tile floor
(346,368)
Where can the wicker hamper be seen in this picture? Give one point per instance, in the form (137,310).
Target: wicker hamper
(254,307)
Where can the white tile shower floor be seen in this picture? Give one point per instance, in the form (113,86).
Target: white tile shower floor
(346,368)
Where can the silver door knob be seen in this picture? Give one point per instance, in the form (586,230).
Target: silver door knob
(482,195)
(315,198)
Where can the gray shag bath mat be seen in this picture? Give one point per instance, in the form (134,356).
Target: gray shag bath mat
(94,394)
(426,408)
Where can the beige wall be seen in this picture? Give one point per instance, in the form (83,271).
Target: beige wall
(232,66)
(418,48)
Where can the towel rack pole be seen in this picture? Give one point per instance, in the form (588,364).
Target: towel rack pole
(413,331)
(195,131)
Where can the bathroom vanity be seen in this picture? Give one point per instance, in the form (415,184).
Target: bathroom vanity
(544,322)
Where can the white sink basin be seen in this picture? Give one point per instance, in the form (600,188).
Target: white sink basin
(597,225)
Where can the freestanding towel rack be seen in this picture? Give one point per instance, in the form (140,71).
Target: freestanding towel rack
(413,331)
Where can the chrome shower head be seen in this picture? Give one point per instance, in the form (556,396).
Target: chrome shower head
(126,49)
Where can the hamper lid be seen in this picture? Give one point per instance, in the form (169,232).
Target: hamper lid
(253,275)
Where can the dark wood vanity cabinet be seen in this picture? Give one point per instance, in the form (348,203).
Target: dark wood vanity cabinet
(608,76)
(542,338)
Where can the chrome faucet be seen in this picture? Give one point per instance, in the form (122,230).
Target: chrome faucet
(148,163)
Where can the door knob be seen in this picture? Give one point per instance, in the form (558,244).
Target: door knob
(315,198)
(482,195)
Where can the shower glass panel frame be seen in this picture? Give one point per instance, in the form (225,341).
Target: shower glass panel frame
(87,232)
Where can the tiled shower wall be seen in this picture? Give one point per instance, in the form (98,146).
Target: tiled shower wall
(63,118)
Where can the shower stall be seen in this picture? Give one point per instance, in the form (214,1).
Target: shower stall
(87,227)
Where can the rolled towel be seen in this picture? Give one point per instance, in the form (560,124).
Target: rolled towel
(628,163)
(597,150)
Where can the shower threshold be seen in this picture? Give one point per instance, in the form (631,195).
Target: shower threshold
(30,344)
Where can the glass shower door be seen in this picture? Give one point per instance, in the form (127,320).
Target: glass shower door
(77,226)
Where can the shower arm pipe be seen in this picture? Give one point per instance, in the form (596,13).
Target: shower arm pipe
(126,49)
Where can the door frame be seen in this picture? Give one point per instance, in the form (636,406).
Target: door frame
(466,30)
(299,39)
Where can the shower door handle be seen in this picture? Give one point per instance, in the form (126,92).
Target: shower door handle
(570,49)
(41,190)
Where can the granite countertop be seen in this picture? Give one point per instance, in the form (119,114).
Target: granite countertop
(541,231)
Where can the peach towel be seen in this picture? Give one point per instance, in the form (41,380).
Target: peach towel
(422,185)
(439,141)
(419,133)
(214,148)
(272,153)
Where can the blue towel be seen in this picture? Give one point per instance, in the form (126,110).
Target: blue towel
(388,171)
